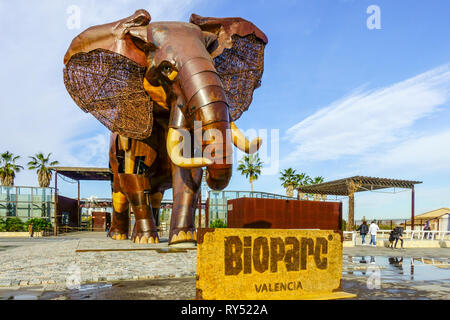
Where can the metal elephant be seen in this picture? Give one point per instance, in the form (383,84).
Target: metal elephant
(158,87)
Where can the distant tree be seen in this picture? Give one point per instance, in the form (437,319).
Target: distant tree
(301,180)
(250,166)
(317,180)
(288,181)
(42,164)
(8,168)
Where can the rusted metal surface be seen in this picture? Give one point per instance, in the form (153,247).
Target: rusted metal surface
(283,214)
(139,79)
(99,220)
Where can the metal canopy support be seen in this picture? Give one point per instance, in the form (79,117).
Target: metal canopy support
(351,212)
(55,225)
(78,208)
(412,208)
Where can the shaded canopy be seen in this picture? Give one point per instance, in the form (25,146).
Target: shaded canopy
(347,186)
(77,173)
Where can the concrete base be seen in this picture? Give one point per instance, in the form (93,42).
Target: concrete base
(19,234)
(348,244)
(417,243)
(328,296)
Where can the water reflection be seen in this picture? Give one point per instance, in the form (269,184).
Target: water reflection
(397,262)
(400,268)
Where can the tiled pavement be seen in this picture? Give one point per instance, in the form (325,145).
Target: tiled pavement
(28,262)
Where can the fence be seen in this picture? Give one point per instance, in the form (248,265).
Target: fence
(407,235)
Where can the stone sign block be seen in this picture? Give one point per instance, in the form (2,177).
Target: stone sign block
(269,264)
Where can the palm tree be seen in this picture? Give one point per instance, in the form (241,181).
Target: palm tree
(317,180)
(288,181)
(41,163)
(8,168)
(250,166)
(301,180)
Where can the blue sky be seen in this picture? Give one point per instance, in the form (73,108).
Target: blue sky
(346,100)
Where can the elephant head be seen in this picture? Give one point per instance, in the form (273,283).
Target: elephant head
(205,71)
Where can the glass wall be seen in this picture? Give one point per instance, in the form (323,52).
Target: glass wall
(27,202)
(218,201)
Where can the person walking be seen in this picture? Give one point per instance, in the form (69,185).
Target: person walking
(30,229)
(398,234)
(373,229)
(363,229)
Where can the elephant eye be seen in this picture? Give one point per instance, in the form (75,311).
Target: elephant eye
(166,68)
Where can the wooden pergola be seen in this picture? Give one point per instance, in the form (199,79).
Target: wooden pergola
(348,187)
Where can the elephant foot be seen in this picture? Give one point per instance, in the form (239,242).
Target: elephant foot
(144,233)
(118,236)
(183,237)
(119,226)
(146,239)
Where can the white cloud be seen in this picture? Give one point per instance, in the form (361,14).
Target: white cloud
(427,153)
(368,119)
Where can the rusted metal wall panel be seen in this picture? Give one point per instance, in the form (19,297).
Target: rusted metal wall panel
(283,214)
(99,220)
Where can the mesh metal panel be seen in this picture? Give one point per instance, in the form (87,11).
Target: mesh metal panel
(110,87)
(240,69)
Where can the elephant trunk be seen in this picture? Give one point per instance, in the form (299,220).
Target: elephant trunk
(208,109)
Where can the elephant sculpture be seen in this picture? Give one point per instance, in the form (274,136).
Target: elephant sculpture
(161,88)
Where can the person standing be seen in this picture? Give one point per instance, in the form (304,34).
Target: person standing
(373,229)
(363,229)
(107,226)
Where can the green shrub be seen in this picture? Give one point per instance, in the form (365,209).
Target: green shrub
(2,225)
(218,223)
(39,224)
(344,225)
(14,225)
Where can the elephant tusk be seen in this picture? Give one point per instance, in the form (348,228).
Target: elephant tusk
(174,151)
(242,143)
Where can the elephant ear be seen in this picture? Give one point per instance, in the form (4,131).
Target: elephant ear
(104,74)
(238,57)
(110,87)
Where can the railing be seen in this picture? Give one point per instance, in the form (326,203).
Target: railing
(419,234)
(407,235)
(350,236)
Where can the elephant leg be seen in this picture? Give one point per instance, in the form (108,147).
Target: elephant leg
(186,187)
(136,187)
(120,221)
(155,201)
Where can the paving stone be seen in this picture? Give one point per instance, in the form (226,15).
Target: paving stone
(5,283)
